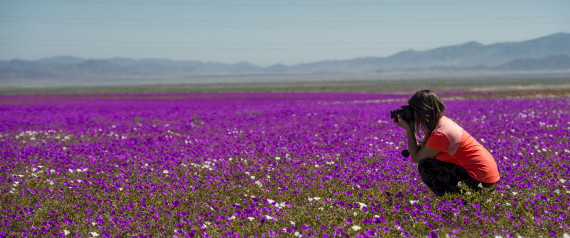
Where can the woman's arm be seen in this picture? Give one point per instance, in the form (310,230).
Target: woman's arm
(417,152)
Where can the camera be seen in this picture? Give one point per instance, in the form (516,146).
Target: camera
(405,113)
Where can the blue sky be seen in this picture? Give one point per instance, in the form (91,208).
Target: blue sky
(265,32)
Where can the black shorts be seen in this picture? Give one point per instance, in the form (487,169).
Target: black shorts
(442,177)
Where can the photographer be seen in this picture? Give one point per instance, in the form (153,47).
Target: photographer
(447,154)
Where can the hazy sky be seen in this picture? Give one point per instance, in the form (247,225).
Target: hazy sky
(265,32)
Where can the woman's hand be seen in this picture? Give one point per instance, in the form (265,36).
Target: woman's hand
(409,126)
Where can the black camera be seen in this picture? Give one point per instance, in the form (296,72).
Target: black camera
(405,113)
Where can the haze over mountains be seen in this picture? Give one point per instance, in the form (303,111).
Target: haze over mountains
(542,54)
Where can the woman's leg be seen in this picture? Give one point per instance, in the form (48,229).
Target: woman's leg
(477,185)
(441,177)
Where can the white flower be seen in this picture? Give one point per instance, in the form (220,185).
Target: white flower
(317,198)
(297,234)
(252,177)
(277,158)
(165,171)
(362,205)
(232,217)
(94,234)
(414,201)
(270,218)
(270,201)
(515,193)
(310,199)
(356,228)
(66,232)
(251,218)
(292,222)
(563,180)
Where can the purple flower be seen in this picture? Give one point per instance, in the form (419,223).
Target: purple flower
(552,233)
(169,147)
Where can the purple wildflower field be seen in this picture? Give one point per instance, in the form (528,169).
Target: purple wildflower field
(269,165)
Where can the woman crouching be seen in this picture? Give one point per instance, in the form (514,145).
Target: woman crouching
(447,154)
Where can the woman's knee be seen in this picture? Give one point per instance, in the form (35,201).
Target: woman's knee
(426,164)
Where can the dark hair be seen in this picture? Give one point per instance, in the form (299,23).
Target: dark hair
(428,109)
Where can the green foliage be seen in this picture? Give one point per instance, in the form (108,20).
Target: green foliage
(315,205)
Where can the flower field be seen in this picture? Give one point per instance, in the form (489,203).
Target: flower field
(269,165)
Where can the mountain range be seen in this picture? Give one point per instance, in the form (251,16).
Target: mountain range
(550,52)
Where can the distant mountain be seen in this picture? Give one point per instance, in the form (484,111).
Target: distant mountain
(466,55)
(554,62)
(545,53)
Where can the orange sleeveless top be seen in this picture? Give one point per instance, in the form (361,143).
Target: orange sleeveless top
(460,148)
